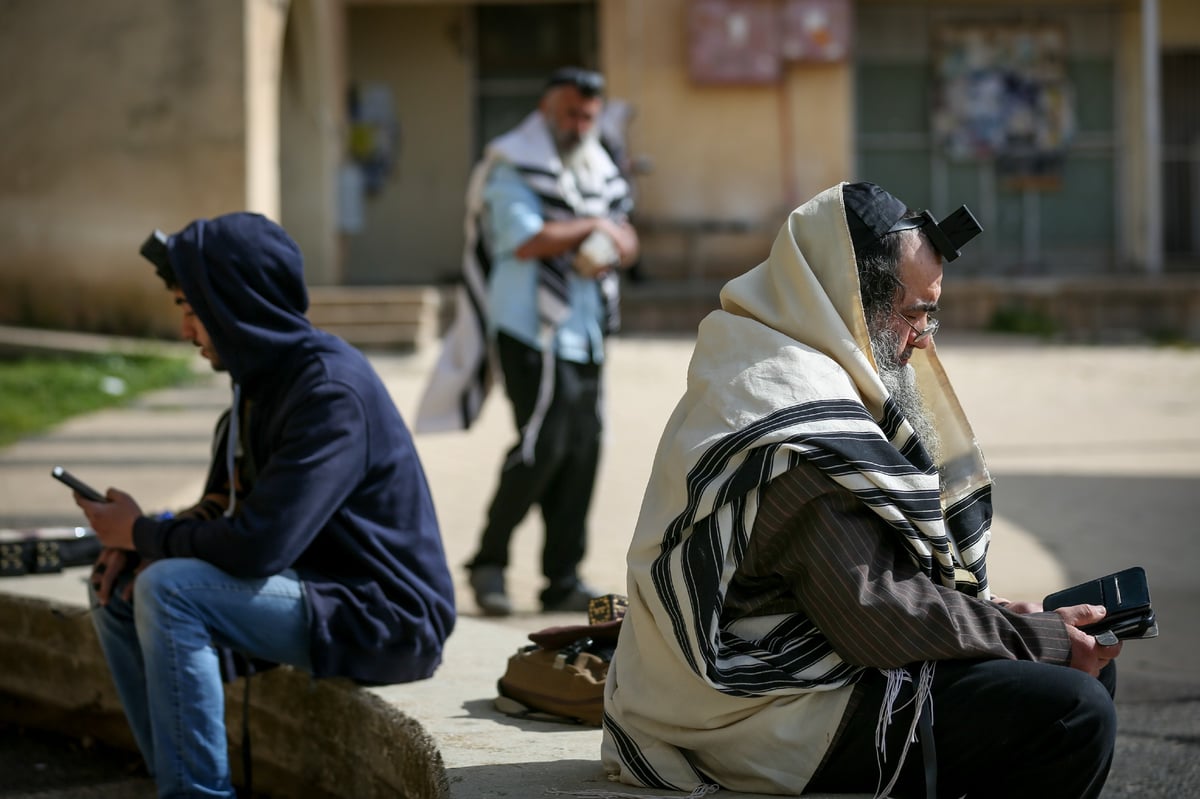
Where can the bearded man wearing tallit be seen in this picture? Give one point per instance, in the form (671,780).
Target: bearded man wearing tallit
(546,232)
(809,607)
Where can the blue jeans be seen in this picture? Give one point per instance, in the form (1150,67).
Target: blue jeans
(160,650)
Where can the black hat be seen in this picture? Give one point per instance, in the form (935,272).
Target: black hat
(872,212)
(154,250)
(589,82)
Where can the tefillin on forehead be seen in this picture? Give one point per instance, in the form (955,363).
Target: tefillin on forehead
(589,82)
(872,212)
(154,250)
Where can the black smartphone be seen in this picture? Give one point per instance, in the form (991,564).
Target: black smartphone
(86,491)
(1125,595)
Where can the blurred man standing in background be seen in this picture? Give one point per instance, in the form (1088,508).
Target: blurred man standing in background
(547,229)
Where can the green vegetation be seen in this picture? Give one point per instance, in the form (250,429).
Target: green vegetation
(39,392)
(1169,337)
(1022,320)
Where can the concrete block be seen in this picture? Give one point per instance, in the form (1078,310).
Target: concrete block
(308,737)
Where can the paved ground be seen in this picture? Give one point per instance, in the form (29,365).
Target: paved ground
(1096,453)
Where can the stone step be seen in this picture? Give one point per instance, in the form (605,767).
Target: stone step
(1110,309)
(386,317)
(1104,309)
(388,335)
(359,295)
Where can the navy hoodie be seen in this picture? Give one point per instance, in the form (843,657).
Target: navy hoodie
(339,493)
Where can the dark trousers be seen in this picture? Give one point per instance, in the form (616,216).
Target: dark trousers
(1001,728)
(562,474)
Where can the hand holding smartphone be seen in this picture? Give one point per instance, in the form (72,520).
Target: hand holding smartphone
(86,491)
(1126,597)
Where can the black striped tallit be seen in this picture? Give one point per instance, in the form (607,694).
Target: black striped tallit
(895,479)
(466,367)
(783,373)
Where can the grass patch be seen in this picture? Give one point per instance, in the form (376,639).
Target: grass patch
(40,392)
(1169,338)
(1022,320)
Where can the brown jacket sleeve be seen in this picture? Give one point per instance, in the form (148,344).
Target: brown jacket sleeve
(815,545)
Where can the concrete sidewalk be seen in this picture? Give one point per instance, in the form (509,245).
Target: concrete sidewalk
(157,448)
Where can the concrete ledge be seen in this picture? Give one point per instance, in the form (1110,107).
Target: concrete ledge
(64,342)
(308,737)
(330,737)
(440,738)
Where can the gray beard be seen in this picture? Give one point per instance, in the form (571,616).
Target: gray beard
(574,157)
(901,383)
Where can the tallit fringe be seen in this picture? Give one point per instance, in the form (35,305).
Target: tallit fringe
(529,437)
(895,680)
(699,793)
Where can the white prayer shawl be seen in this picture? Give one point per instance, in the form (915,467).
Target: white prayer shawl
(467,366)
(783,373)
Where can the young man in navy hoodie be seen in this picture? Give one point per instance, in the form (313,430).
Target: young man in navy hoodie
(323,550)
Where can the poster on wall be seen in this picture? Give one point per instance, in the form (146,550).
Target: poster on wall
(749,42)
(815,31)
(733,42)
(1002,94)
(374,139)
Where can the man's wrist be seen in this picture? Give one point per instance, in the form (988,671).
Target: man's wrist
(145,535)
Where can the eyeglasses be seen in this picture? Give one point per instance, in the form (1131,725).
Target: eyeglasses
(931,327)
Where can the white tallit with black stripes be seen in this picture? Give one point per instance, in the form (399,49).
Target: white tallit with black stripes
(784,372)
(593,187)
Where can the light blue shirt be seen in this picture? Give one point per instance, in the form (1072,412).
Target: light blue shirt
(512,216)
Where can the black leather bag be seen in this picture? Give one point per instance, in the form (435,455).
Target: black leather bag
(46,550)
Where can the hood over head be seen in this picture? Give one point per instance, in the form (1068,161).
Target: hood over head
(244,277)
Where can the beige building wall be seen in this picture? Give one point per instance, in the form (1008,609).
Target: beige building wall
(296,100)
(413,230)
(1179,24)
(720,153)
(131,115)
(117,118)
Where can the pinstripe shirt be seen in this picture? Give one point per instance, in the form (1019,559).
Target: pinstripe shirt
(816,549)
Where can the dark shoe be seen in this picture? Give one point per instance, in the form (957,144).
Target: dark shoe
(488,584)
(574,600)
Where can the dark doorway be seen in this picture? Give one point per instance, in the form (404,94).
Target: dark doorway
(518,45)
